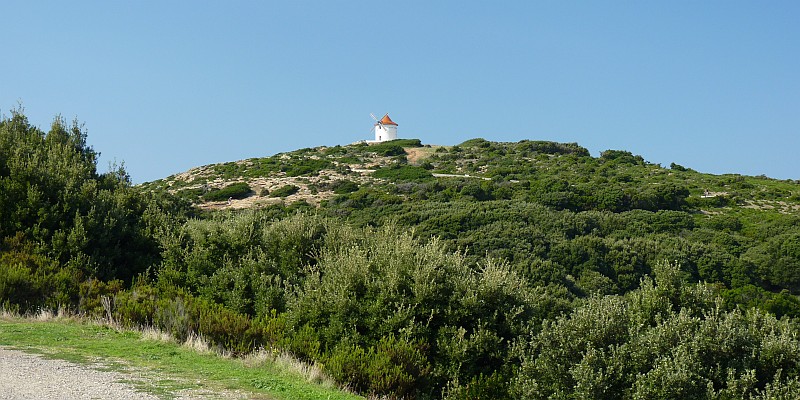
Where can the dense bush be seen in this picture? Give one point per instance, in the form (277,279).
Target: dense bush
(183,315)
(375,306)
(389,150)
(402,173)
(238,190)
(621,156)
(363,199)
(306,166)
(344,186)
(399,142)
(677,167)
(663,340)
(547,147)
(29,281)
(284,191)
(359,296)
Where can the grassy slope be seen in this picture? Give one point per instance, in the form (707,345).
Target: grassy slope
(167,368)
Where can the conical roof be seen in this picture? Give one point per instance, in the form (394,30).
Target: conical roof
(387,121)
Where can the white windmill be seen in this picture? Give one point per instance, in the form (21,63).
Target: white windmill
(385,129)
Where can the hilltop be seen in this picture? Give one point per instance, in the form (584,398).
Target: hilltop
(563,174)
(316,173)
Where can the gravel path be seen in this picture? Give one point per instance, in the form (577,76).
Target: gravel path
(26,376)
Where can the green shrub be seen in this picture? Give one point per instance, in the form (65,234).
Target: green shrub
(666,339)
(190,194)
(224,328)
(92,292)
(335,151)
(393,147)
(677,167)
(307,167)
(237,190)
(51,192)
(29,281)
(477,142)
(19,286)
(481,386)
(407,142)
(392,367)
(284,191)
(304,343)
(389,150)
(135,307)
(547,147)
(402,173)
(344,186)
(349,363)
(175,317)
(622,157)
(181,315)
(378,282)
(697,202)
(270,330)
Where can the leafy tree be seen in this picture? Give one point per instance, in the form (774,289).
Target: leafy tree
(52,195)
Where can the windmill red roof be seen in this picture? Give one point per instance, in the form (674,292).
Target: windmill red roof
(387,121)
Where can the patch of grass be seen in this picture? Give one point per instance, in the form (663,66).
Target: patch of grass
(166,367)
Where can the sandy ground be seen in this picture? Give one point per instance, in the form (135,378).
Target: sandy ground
(417,154)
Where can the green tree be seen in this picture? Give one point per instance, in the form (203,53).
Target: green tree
(52,195)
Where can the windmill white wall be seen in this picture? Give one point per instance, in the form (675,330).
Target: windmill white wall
(385,130)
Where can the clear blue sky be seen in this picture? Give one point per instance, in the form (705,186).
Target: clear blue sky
(169,85)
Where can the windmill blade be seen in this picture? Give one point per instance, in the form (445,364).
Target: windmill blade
(377,121)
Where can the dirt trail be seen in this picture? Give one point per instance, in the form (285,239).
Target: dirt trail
(27,376)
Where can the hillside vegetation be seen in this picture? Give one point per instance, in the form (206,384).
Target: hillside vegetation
(482,270)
